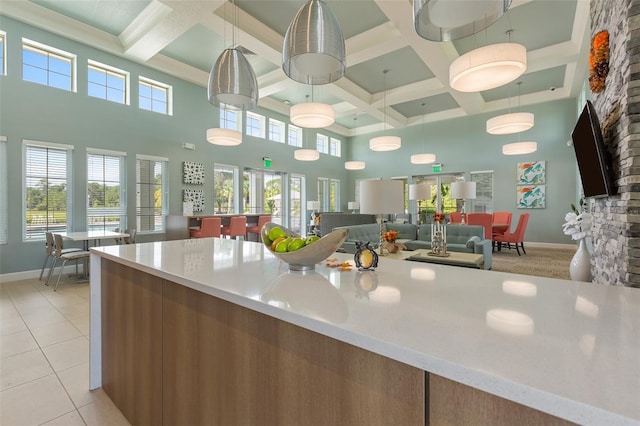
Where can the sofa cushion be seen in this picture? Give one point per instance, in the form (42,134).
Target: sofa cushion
(406,231)
(471,242)
(460,234)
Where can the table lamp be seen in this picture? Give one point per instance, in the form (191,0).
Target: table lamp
(353,205)
(381,197)
(419,192)
(463,190)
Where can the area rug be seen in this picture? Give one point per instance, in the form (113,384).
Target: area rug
(539,261)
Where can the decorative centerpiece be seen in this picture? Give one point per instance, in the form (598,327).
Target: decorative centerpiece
(438,217)
(438,240)
(389,242)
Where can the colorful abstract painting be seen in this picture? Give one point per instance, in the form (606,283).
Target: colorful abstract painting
(531,197)
(531,173)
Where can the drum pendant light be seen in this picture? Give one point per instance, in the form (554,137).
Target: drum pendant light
(423,158)
(313,51)
(354,164)
(385,143)
(513,122)
(312,115)
(306,154)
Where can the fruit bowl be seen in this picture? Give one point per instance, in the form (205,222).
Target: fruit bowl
(305,258)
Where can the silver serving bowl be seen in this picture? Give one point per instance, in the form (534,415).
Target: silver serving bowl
(305,258)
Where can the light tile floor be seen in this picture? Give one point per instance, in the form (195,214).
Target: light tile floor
(44,357)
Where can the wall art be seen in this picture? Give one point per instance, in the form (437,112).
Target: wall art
(531,197)
(192,172)
(531,173)
(196,196)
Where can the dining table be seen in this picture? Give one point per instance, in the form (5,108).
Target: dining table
(499,228)
(96,236)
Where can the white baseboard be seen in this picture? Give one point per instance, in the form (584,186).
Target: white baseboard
(550,245)
(35,273)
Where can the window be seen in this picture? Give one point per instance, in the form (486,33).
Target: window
(48,66)
(483,202)
(263,192)
(225,180)
(154,96)
(152,198)
(323,194)
(106,82)
(3,54)
(230,119)
(334,195)
(296,188)
(334,147)
(295,136)
(322,143)
(276,130)
(47,186)
(106,196)
(255,125)
(4,189)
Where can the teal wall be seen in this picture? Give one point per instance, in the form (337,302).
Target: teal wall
(36,112)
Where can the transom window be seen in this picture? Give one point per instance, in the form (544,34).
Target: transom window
(48,66)
(334,147)
(47,186)
(276,130)
(295,136)
(3,53)
(109,83)
(255,125)
(230,119)
(152,197)
(154,96)
(106,194)
(322,143)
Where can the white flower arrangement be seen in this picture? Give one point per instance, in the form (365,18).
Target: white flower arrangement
(577,224)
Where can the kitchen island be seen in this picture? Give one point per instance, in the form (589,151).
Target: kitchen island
(219,331)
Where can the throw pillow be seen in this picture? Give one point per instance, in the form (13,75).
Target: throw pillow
(471,242)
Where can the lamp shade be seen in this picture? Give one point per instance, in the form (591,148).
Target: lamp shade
(354,165)
(488,67)
(313,205)
(353,205)
(312,115)
(446,20)
(510,123)
(313,51)
(518,148)
(419,191)
(382,196)
(423,158)
(463,190)
(306,154)
(224,137)
(385,143)
(232,81)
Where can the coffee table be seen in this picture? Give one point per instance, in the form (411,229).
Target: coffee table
(468,260)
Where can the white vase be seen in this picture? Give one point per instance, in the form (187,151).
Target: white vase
(580,267)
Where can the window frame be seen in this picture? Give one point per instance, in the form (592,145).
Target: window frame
(299,136)
(335,147)
(224,120)
(322,143)
(126,76)
(236,178)
(3,51)
(4,191)
(156,85)
(334,186)
(68,150)
(476,202)
(273,123)
(164,189)
(261,121)
(120,211)
(50,50)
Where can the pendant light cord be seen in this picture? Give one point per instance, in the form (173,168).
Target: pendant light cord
(384,98)
(422,124)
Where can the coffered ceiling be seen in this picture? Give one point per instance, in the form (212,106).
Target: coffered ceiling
(184,38)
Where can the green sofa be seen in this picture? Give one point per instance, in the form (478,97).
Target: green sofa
(460,238)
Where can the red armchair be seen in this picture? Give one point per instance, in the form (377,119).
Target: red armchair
(455,217)
(209,227)
(482,219)
(255,229)
(517,236)
(237,227)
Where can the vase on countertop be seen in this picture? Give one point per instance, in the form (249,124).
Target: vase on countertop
(580,266)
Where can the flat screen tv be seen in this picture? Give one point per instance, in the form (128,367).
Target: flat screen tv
(593,161)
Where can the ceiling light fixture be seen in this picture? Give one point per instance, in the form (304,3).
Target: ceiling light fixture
(488,67)
(513,122)
(518,148)
(446,20)
(224,137)
(313,51)
(354,165)
(385,143)
(305,154)
(232,81)
(312,115)
(423,158)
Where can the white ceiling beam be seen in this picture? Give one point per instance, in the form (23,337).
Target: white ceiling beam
(375,42)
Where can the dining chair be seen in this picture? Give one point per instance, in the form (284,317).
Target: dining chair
(119,240)
(517,236)
(237,227)
(65,257)
(501,218)
(131,239)
(209,227)
(482,219)
(255,229)
(455,217)
(49,245)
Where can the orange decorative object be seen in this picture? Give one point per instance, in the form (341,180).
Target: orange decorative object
(390,236)
(599,61)
(438,217)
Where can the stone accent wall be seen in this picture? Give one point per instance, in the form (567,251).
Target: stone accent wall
(616,237)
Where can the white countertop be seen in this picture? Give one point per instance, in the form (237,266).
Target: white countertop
(567,348)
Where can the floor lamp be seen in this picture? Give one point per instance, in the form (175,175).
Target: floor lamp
(418,192)
(463,191)
(381,197)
